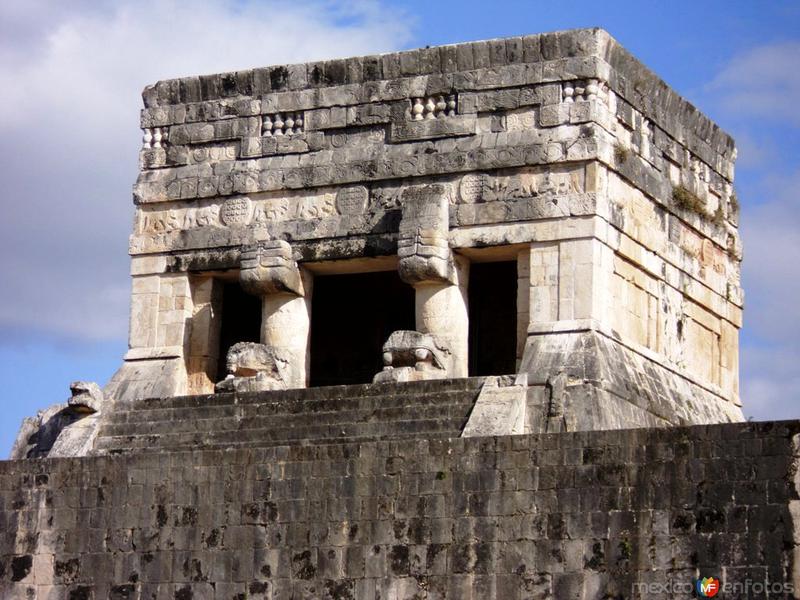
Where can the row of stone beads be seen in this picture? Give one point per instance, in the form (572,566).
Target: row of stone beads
(581,91)
(278,125)
(154,138)
(433,107)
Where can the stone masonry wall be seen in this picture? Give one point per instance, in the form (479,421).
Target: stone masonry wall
(560,151)
(579,515)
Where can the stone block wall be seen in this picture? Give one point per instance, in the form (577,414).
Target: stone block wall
(591,515)
(560,151)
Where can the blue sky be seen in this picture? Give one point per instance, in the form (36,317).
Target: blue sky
(71,74)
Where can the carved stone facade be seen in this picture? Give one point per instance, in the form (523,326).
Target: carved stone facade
(558,155)
(561,153)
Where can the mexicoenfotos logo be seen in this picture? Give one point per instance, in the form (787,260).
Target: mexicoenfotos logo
(707,587)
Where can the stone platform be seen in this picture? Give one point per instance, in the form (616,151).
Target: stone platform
(325,415)
(572,515)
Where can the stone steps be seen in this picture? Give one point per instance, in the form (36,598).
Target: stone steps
(332,415)
(314,434)
(281,406)
(284,420)
(334,392)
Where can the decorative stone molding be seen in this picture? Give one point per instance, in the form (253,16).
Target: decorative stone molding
(269,268)
(236,211)
(584,90)
(289,123)
(433,107)
(155,137)
(87,398)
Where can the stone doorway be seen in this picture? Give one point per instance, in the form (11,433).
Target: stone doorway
(351,317)
(492,318)
(241,321)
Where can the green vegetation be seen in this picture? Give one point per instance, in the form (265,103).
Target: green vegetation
(734,204)
(621,153)
(625,549)
(688,200)
(719,215)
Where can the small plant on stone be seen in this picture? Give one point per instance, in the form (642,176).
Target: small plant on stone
(621,153)
(688,200)
(735,204)
(625,549)
(719,215)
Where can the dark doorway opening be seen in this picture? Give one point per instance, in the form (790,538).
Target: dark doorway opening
(351,318)
(493,318)
(241,321)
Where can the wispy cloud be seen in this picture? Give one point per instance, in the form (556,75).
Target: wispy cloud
(758,93)
(771,386)
(760,83)
(71,75)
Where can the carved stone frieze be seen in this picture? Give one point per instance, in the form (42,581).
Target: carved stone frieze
(529,183)
(236,211)
(277,124)
(352,200)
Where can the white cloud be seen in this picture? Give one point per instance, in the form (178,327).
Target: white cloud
(755,149)
(758,93)
(771,381)
(759,82)
(771,270)
(71,75)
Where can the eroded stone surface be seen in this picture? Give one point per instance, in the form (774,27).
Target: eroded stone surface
(67,429)
(412,356)
(254,367)
(614,200)
(535,149)
(575,515)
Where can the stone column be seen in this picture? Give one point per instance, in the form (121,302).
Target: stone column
(440,281)
(268,270)
(441,311)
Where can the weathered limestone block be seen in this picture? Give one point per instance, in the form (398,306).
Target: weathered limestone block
(590,381)
(412,356)
(146,377)
(500,408)
(254,368)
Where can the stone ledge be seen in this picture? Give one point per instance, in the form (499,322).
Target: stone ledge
(630,78)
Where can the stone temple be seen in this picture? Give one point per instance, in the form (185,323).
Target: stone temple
(459,322)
